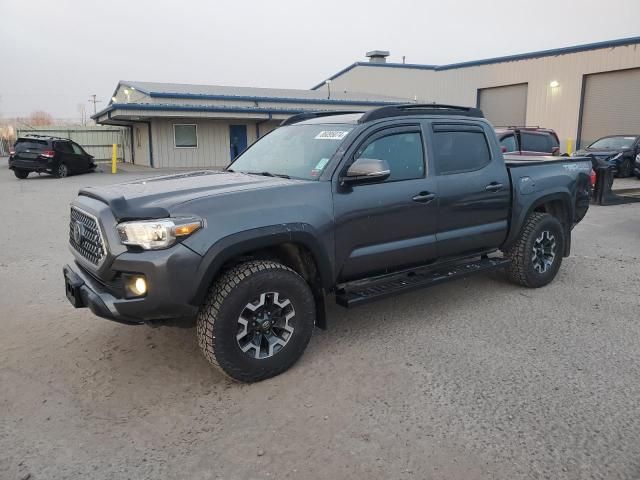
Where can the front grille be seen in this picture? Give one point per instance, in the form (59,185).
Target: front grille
(85,236)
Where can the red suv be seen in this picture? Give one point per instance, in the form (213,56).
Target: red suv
(528,140)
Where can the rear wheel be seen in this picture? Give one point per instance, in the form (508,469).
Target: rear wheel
(21,174)
(61,171)
(537,254)
(256,321)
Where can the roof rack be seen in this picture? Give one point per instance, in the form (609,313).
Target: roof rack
(401,110)
(307,115)
(35,135)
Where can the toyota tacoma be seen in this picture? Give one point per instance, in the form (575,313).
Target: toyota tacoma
(357,205)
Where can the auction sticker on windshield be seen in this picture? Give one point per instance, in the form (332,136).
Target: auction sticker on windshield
(331,135)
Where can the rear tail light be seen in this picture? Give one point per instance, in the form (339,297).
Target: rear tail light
(592,176)
(48,154)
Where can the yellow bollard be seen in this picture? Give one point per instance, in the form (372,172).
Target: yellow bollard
(569,146)
(114,158)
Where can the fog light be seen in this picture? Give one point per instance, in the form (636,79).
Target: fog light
(140,286)
(135,285)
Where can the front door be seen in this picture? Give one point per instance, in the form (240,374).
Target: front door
(237,140)
(475,190)
(384,226)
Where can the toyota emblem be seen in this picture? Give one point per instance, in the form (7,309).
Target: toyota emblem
(78,232)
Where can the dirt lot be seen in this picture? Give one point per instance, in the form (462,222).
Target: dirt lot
(474,379)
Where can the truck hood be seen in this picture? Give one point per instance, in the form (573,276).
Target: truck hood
(154,197)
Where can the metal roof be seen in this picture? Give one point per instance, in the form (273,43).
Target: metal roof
(487,61)
(181,90)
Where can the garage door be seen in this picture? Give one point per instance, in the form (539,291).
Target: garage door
(504,106)
(611,105)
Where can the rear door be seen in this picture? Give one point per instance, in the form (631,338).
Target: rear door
(66,155)
(82,158)
(28,149)
(473,188)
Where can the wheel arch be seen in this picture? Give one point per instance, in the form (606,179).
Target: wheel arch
(294,246)
(557,204)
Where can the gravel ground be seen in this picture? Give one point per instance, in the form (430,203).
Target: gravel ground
(473,379)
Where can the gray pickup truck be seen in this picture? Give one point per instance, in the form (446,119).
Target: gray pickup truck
(359,205)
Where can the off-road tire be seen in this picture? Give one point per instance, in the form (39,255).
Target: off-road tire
(217,322)
(521,270)
(61,171)
(21,174)
(626,169)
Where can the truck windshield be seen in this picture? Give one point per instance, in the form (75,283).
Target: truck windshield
(613,143)
(295,151)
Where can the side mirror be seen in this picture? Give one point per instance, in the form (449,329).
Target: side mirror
(555,151)
(366,170)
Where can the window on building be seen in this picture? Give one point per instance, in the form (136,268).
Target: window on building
(402,151)
(460,151)
(185,135)
(509,144)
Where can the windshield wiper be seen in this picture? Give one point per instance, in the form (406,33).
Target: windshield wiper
(270,174)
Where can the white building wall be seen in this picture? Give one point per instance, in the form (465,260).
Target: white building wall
(556,108)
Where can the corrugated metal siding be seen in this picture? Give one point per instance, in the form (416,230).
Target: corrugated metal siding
(557,108)
(212,149)
(97,141)
(213,142)
(611,105)
(504,105)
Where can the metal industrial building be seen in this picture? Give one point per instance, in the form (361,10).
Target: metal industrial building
(176,125)
(583,92)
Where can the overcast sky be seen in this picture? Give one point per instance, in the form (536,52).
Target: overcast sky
(55,53)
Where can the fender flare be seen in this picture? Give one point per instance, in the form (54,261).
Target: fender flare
(258,238)
(564,197)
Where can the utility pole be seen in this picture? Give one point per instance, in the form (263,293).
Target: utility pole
(94,101)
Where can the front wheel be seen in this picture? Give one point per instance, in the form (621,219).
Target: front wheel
(256,321)
(537,254)
(21,174)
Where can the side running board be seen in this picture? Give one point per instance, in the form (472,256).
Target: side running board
(363,291)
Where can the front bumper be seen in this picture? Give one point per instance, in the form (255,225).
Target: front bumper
(170,276)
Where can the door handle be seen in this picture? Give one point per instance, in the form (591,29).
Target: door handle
(424,197)
(493,187)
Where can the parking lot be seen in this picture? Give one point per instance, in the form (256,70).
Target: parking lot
(472,379)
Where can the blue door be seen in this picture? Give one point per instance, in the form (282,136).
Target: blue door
(237,140)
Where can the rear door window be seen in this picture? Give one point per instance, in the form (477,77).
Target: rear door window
(64,147)
(77,149)
(29,144)
(536,142)
(461,149)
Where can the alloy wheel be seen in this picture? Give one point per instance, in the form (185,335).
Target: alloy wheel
(264,326)
(544,251)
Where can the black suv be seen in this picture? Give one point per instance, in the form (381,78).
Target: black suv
(54,155)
